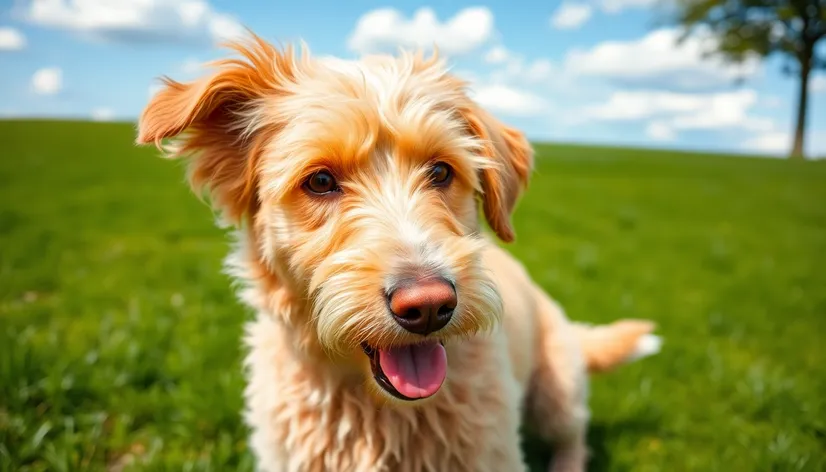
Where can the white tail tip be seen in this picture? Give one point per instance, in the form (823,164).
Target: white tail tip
(647,345)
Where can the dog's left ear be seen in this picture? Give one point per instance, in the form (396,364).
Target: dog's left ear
(512,159)
(213,117)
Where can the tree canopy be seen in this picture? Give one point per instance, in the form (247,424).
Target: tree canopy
(744,28)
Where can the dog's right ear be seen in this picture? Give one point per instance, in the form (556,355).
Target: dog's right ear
(177,106)
(212,117)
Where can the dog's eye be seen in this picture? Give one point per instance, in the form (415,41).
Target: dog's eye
(440,174)
(322,182)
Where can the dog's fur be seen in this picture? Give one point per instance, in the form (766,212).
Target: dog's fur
(314,268)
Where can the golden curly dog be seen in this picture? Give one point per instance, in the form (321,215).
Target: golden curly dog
(391,334)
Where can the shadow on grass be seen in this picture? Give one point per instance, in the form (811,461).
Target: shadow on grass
(538,453)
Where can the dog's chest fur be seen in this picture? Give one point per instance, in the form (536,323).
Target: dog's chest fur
(307,418)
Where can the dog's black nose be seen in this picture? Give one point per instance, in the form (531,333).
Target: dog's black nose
(424,306)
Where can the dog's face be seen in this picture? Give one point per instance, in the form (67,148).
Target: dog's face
(360,182)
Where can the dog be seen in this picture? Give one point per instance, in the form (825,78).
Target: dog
(391,332)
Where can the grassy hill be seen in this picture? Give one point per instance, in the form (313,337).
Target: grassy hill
(120,336)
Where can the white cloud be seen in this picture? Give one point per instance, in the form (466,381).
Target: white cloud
(771,101)
(656,57)
(512,68)
(571,15)
(497,55)
(616,6)
(225,27)
(517,70)
(135,20)
(11,39)
(817,84)
(773,143)
(47,81)
(778,143)
(102,114)
(636,105)
(660,131)
(672,112)
(539,70)
(467,75)
(154,88)
(508,101)
(387,29)
(191,66)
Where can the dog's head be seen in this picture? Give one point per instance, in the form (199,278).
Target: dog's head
(360,182)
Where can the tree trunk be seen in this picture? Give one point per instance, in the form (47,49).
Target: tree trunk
(802,102)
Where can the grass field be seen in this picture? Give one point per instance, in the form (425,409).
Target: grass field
(120,337)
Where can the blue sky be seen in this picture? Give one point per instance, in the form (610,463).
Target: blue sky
(591,71)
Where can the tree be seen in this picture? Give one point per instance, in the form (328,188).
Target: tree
(745,28)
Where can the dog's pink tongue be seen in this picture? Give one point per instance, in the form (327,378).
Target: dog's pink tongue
(416,371)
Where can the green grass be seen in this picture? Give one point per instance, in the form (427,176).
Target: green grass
(119,334)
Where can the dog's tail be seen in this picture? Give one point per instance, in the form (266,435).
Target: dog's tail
(623,341)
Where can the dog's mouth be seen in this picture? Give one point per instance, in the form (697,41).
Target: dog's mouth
(411,372)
